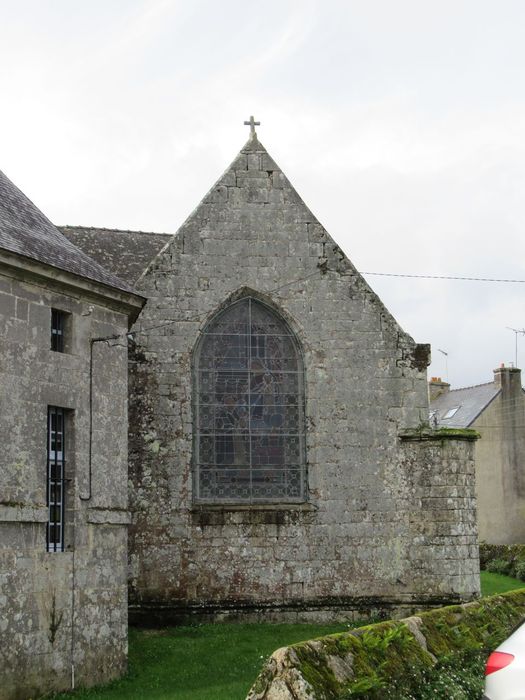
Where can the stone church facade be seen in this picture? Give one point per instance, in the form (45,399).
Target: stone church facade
(278,465)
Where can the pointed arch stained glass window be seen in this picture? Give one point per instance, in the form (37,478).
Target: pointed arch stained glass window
(249,409)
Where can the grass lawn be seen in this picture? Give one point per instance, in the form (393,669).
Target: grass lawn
(206,662)
(498,583)
(217,662)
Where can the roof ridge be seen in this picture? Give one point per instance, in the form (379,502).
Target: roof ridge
(115,230)
(472,386)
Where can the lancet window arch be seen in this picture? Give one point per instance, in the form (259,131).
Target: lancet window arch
(249,428)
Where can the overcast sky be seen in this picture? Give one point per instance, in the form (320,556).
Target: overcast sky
(401,124)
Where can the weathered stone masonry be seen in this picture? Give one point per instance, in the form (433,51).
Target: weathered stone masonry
(388,520)
(385,524)
(36,587)
(63,614)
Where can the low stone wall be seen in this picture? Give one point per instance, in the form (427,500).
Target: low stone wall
(357,663)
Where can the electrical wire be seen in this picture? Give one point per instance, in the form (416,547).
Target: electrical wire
(443,277)
(198,317)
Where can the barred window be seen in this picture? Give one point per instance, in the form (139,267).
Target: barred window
(55,478)
(249,409)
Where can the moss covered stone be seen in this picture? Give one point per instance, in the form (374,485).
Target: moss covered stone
(363,662)
(426,433)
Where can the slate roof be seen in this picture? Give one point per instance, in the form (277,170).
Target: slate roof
(471,401)
(125,253)
(25,230)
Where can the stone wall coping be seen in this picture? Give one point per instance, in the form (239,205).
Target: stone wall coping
(427,434)
(108,516)
(23,513)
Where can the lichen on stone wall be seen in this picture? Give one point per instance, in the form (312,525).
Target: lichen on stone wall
(368,541)
(425,432)
(364,661)
(55,613)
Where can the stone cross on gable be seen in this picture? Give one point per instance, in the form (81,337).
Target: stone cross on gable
(252,124)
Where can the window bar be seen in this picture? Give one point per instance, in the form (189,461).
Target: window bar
(214,474)
(55,479)
(250,395)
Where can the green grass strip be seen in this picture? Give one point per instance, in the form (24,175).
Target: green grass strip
(204,662)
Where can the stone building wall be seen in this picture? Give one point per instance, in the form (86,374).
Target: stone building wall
(61,609)
(441,506)
(351,544)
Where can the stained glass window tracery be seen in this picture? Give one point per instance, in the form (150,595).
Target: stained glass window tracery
(249,409)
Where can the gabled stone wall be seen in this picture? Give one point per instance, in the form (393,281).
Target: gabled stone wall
(352,544)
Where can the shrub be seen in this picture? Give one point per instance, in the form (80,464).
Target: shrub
(458,678)
(519,569)
(513,554)
(499,566)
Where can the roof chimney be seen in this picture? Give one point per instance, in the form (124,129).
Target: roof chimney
(509,379)
(437,387)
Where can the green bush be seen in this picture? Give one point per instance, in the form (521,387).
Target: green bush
(457,678)
(491,557)
(519,569)
(499,566)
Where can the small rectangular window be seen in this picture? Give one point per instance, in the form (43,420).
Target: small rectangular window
(56,463)
(58,325)
(451,412)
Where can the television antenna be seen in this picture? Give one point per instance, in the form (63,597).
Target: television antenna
(446,362)
(516,331)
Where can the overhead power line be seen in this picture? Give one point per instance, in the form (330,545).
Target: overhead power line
(443,277)
(200,316)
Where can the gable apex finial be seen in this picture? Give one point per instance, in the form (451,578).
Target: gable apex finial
(252,124)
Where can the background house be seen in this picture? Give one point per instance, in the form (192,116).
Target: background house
(497,411)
